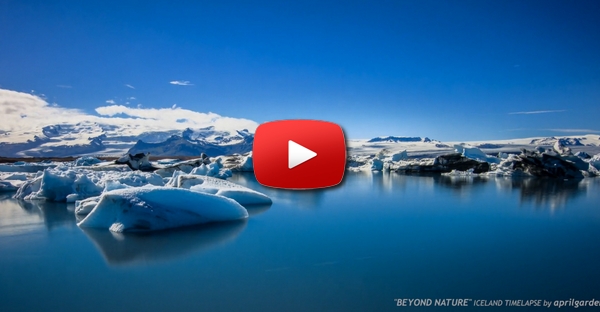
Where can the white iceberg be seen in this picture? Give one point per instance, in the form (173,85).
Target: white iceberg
(211,185)
(400,156)
(25,167)
(87,161)
(214,169)
(246,165)
(376,164)
(458,173)
(71,184)
(475,153)
(158,208)
(595,161)
(85,206)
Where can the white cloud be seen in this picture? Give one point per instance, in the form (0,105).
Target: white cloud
(129,86)
(131,98)
(538,112)
(110,101)
(181,83)
(584,131)
(24,115)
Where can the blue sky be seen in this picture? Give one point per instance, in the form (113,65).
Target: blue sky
(450,70)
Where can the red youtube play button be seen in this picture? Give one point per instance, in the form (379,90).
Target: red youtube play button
(299,154)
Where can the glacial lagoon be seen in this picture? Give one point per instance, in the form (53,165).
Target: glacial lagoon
(359,246)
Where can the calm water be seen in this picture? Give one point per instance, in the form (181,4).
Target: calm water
(355,247)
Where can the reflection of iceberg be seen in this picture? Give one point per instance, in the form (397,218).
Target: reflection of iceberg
(300,199)
(254,210)
(552,193)
(54,214)
(17,216)
(135,248)
(548,192)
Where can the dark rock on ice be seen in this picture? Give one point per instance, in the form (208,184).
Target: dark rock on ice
(457,161)
(583,155)
(547,164)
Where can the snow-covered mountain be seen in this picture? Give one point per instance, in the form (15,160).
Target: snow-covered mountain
(425,147)
(194,142)
(98,139)
(87,138)
(396,139)
(31,126)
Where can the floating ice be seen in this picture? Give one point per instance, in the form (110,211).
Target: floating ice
(400,156)
(475,153)
(595,162)
(86,161)
(21,166)
(83,207)
(214,169)
(6,186)
(211,185)
(376,165)
(158,208)
(247,164)
(71,184)
(458,173)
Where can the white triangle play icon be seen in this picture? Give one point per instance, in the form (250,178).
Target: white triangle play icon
(298,154)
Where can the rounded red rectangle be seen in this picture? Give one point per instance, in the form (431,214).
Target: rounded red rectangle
(299,154)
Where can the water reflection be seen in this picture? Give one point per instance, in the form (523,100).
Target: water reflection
(18,216)
(542,193)
(546,192)
(254,210)
(54,214)
(305,199)
(141,248)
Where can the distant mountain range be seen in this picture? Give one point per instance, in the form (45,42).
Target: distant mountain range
(102,140)
(89,138)
(194,142)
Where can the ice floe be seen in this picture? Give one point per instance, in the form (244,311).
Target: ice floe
(70,184)
(158,208)
(87,161)
(475,153)
(211,185)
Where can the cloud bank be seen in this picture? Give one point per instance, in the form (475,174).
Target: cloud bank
(24,115)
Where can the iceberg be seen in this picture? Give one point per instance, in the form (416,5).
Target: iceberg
(159,208)
(376,165)
(595,162)
(25,167)
(65,184)
(211,185)
(246,165)
(85,206)
(475,154)
(87,161)
(6,186)
(400,156)
(214,169)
